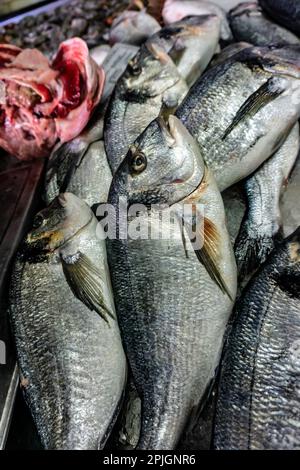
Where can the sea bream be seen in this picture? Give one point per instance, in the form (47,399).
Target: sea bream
(249,23)
(72,364)
(173,298)
(151,84)
(132,27)
(191,43)
(263,221)
(285,12)
(290,207)
(176,10)
(242,110)
(88,177)
(258,401)
(66,158)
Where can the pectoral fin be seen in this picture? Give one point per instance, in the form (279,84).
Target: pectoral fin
(208,254)
(85,282)
(264,95)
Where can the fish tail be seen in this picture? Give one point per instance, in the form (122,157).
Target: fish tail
(252,248)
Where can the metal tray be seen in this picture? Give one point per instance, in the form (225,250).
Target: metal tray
(19,198)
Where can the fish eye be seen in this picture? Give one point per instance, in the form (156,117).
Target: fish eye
(138,162)
(135,69)
(37,221)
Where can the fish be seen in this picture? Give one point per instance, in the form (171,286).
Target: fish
(99,53)
(151,84)
(289,203)
(262,223)
(258,398)
(242,110)
(173,298)
(87,178)
(132,27)
(228,52)
(249,23)
(70,355)
(191,43)
(284,12)
(176,10)
(66,158)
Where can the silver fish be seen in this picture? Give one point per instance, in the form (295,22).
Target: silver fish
(71,360)
(173,299)
(66,157)
(132,27)
(262,223)
(100,53)
(191,43)
(242,110)
(290,207)
(228,52)
(150,83)
(259,403)
(88,178)
(249,23)
(285,12)
(176,10)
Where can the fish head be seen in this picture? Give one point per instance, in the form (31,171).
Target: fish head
(183,34)
(162,167)
(281,60)
(249,9)
(149,73)
(58,223)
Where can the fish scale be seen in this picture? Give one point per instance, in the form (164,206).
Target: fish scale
(258,405)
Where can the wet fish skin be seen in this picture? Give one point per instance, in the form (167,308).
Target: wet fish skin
(88,178)
(175,10)
(263,221)
(285,12)
(66,157)
(172,315)
(99,53)
(260,367)
(72,364)
(249,23)
(92,177)
(150,83)
(132,27)
(191,43)
(228,52)
(289,203)
(236,131)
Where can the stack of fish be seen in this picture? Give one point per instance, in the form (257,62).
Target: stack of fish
(186,122)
